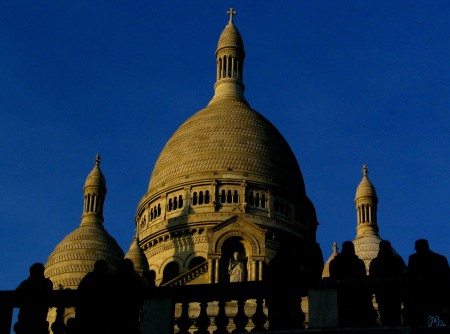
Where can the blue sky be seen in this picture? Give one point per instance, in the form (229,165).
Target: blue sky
(346,82)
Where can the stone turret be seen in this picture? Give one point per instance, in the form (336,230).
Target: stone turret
(367,238)
(76,254)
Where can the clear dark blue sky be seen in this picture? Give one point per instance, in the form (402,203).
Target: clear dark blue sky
(346,82)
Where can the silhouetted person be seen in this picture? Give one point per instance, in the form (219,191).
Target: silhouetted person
(354,299)
(428,275)
(387,269)
(149,279)
(94,301)
(285,279)
(128,291)
(32,318)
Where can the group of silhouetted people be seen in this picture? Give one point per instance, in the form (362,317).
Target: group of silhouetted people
(106,304)
(32,317)
(422,287)
(112,303)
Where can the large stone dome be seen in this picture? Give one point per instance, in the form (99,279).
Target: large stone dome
(225,182)
(227,137)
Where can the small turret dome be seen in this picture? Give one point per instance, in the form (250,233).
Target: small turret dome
(230,37)
(76,254)
(365,187)
(137,256)
(96,177)
(326,267)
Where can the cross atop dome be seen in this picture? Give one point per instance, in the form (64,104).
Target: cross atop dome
(231,12)
(365,170)
(97,160)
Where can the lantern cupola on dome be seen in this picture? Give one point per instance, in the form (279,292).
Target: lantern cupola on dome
(230,57)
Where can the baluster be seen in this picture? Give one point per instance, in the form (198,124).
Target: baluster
(259,318)
(240,320)
(221,319)
(184,322)
(203,320)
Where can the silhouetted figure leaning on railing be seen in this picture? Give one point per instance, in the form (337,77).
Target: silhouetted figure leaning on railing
(355,308)
(93,313)
(427,302)
(32,318)
(284,291)
(388,271)
(128,290)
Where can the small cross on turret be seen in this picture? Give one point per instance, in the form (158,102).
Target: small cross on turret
(365,170)
(231,12)
(97,160)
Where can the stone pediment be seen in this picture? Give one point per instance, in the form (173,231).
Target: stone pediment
(237,222)
(237,226)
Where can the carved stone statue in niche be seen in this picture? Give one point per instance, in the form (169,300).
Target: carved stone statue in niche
(236,269)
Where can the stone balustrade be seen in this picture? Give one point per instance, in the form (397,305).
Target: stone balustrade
(217,308)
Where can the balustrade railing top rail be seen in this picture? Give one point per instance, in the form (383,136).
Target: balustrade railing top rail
(203,294)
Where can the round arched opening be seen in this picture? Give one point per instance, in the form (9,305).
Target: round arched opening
(170,272)
(234,257)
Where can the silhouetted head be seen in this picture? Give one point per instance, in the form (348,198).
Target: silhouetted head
(385,248)
(422,246)
(37,270)
(348,248)
(101,266)
(126,266)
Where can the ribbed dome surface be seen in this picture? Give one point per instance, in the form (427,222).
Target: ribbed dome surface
(230,37)
(76,254)
(136,255)
(326,267)
(95,178)
(365,189)
(227,136)
(367,247)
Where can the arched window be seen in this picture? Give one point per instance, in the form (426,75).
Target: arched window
(235,197)
(194,199)
(151,214)
(251,199)
(200,197)
(257,200)
(223,197)
(229,197)
(224,67)
(207,197)
(277,205)
(170,272)
(180,201)
(196,261)
(159,210)
(170,204)
(175,203)
(263,201)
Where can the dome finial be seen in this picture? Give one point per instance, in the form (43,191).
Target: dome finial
(365,170)
(231,12)
(98,159)
(335,248)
